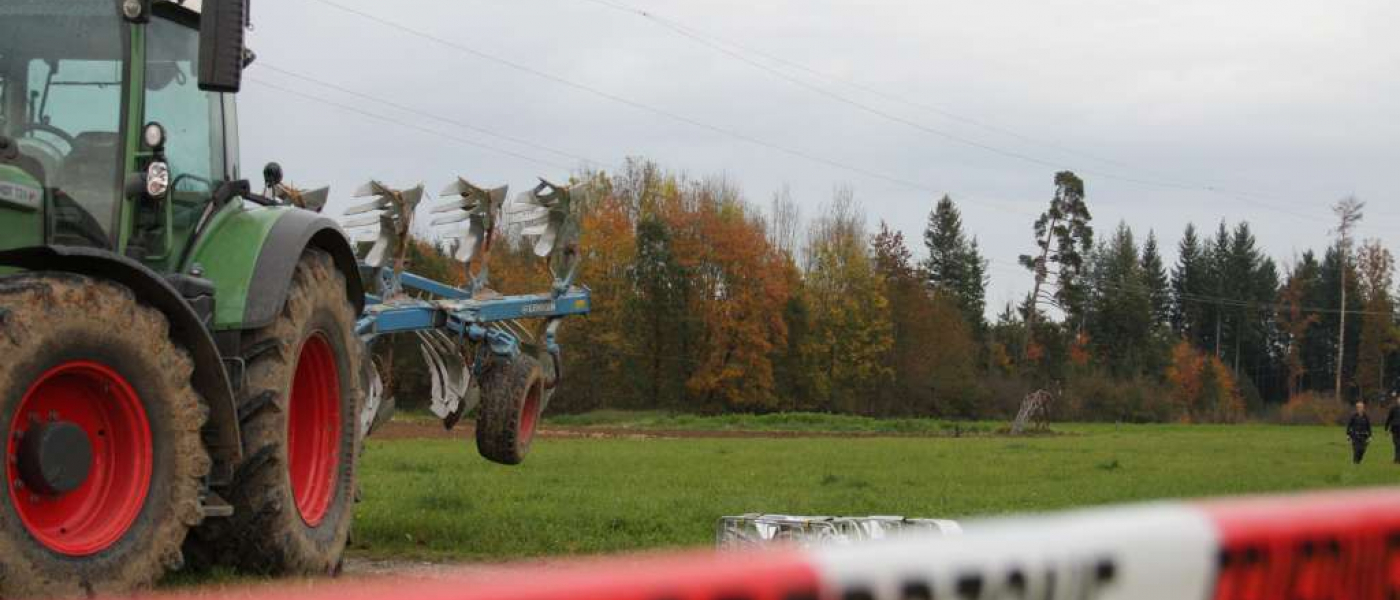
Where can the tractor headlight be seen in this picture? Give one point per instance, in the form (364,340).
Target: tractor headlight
(132,10)
(157,180)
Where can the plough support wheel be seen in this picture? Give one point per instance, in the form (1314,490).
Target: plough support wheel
(512,397)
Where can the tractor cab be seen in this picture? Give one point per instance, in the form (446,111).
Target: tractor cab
(108,135)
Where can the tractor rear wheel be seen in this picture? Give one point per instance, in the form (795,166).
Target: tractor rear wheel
(293,496)
(512,397)
(104,463)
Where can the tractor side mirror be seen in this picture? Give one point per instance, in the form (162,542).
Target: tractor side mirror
(221,51)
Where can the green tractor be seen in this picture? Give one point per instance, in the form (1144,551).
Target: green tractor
(187,370)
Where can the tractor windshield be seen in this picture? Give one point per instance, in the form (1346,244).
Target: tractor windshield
(61,103)
(193,119)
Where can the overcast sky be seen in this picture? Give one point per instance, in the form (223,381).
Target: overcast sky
(1285,105)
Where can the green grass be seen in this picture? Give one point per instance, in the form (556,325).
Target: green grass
(438,500)
(784,422)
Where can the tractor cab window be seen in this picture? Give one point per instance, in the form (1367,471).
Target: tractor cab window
(193,119)
(61,103)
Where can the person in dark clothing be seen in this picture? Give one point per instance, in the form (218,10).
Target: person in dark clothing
(1392,423)
(1359,430)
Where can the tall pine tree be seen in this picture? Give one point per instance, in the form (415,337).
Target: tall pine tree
(955,265)
(1121,321)
(1154,277)
(1062,237)
(1188,286)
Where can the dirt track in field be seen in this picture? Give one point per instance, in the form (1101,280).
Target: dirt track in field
(417,569)
(483,573)
(417,430)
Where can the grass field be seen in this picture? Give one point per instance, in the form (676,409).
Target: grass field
(436,499)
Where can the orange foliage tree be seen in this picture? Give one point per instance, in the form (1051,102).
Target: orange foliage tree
(1203,389)
(597,348)
(736,288)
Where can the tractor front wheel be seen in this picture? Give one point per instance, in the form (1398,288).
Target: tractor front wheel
(293,496)
(103,459)
(512,398)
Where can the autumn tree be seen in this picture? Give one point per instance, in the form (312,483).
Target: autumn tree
(660,297)
(1005,342)
(1295,320)
(851,333)
(933,354)
(599,351)
(736,283)
(705,303)
(1376,270)
(1184,374)
(784,223)
(1202,387)
(796,388)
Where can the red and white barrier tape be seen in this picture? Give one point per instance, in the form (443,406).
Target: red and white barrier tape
(1335,545)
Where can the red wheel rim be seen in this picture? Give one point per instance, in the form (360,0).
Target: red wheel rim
(529,414)
(93,516)
(313,430)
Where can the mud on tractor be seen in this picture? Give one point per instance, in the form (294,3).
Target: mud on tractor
(186,367)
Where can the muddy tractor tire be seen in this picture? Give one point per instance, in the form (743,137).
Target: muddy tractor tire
(104,463)
(299,408)
(512,397)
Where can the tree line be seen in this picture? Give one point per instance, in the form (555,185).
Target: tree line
(706,302)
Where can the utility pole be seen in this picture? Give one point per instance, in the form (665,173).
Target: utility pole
(1348,212)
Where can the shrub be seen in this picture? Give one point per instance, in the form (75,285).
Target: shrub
(1202,388)
(1004,397)
(1309,408)
(1098,397)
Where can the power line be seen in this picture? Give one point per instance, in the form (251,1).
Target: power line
(830,79)
(719,45)
(400,123)
(748,138)
(309,79)
(686,32)
(649,108)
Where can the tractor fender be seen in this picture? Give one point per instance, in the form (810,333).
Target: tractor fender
(296,231)
(250,252)
(211,380)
